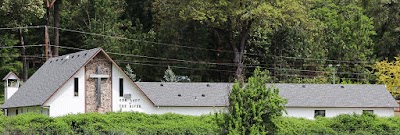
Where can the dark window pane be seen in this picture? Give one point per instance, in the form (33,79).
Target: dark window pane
(319,113)
(121,87)
(368,111)
(76,87)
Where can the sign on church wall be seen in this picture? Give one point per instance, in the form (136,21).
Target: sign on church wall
(129,104)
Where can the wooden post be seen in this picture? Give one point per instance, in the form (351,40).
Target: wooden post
(46,31)
(23,55)
(56,17)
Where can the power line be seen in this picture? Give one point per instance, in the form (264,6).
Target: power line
(24,27)
(199,48)
(136,40)
(8,47)
(272,75)
(223,64)
(180,67)
(17,56)
(171,59)
(70,48)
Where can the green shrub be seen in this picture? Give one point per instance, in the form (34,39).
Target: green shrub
(140,123)
(366,124)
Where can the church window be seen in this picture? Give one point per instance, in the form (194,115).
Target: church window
(368,111)
(76,86)
(320,113)
(121,87)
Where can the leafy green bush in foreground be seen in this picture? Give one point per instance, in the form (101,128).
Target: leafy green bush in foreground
(343,124)
(140,123)
(110,123)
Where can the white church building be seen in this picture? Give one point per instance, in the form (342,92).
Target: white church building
(90,81)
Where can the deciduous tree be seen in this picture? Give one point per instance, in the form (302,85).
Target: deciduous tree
(389,74)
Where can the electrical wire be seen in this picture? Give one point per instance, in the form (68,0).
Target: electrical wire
(199,48)
(23,27)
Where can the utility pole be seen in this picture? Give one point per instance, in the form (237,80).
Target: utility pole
(24,63)
(56,17)
(334,71)
(47,42)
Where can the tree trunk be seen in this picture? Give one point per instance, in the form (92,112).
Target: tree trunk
(239,50)
(56,17)
(23,56)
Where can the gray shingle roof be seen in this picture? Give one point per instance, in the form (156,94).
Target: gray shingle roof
(49,78)
(336,95)
(191,94)
(311,95)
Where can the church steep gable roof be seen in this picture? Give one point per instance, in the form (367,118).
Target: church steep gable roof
(49,78)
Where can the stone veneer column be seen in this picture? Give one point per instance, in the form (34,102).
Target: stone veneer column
(91,88)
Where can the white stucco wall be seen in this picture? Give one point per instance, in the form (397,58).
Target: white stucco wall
(331,112)
(9,91)
(187,110)
(64,102)
(138,102)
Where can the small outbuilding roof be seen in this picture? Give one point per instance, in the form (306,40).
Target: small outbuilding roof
(298,95)
(9,75)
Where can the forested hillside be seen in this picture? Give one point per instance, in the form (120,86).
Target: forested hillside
(298,41)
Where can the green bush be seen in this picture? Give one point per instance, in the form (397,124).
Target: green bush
(366,124)
(140,123)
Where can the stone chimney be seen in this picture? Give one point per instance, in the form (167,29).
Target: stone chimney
(11,85)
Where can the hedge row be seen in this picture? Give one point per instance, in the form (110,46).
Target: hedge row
(110,123)
(139,123)
(366,124)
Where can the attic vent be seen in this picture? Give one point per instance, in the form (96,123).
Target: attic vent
(72,56)
(303,86)
(342,86)
(161,84)
(77,55)
(56,60)
(62,59)
(179,95)
(127,96)
(85,54)
(203,95)
(208,85)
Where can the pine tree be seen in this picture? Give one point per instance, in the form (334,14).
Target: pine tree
(131,74)
(169,75)
(254,107)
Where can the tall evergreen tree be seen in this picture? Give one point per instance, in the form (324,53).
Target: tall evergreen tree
(169,75)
